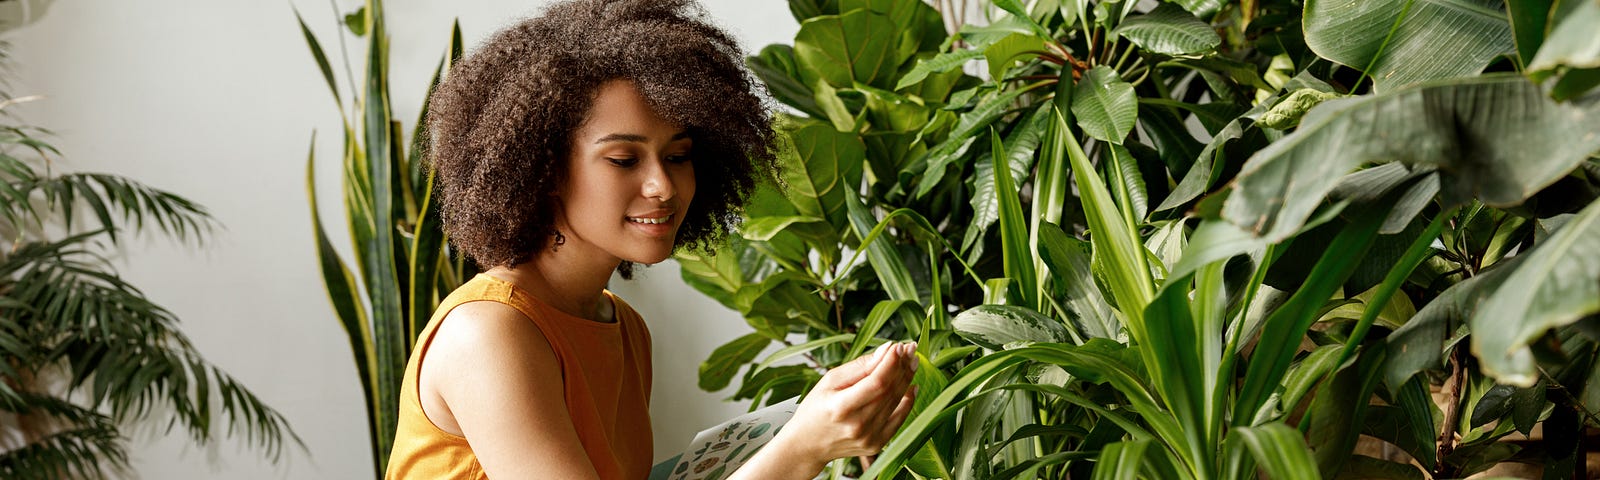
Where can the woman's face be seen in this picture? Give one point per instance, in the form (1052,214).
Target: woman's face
(629,180)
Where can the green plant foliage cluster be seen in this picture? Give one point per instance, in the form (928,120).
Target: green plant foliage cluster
(404,266)
(1197,240)
(83,352)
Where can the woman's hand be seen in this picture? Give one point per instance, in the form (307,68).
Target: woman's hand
(852,411)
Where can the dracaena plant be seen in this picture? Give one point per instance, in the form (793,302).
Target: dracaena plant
(404,266)
(1227,229)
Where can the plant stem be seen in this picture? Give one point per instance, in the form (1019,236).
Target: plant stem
(1452,416)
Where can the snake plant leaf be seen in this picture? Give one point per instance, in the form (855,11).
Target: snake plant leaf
(995,326)
(1572,43)
(1105,105)
(319,56)
(718,369)
(855,46)
(1403,42)
(1557,284)
(1497,136)
(1169,30)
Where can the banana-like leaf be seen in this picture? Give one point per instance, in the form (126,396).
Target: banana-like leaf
(1557,284)
(1169,30)
(996,326)
(1403,42)
(1497,136)
(1105,105)
(1572,43)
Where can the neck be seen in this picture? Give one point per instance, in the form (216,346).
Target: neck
(566,280)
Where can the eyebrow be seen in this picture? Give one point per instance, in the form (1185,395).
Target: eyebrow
(636,138)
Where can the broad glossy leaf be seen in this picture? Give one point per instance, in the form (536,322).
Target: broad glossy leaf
(718,370)
(1104,105)
(995,326)
(855,46)
(1557,284)
(1010,49)
(1169,30)
(826,162)
(1497,136)
(776,68)
(1403,42)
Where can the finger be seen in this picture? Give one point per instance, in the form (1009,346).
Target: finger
(849,373)
(884,380)
(898,416)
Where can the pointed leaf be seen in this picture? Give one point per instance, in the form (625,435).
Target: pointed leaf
(1104,105)
(1169,30)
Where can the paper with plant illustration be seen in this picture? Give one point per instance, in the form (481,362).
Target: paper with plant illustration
(716,452)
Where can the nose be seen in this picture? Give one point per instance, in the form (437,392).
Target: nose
(657,184)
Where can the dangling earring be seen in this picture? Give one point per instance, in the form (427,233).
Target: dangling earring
(560,240)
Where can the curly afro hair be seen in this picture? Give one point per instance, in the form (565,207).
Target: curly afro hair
(501,123)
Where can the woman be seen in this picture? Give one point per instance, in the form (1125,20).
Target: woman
(571,145)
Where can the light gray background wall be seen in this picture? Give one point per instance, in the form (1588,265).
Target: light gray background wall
(216,100)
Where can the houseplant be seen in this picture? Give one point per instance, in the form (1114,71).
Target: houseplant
(404,265)
(83,352)
(1199,251)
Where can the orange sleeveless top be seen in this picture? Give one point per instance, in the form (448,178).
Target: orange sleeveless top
(605,371)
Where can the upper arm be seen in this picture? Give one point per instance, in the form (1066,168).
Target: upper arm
(501,383)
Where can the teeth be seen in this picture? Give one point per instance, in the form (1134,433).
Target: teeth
(650,221)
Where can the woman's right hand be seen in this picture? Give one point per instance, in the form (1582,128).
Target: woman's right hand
(852,411)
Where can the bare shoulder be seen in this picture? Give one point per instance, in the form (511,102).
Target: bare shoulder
(489,335)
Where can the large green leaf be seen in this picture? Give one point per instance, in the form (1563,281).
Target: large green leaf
(1403,42)
(855,46)
(1104,105)
(1169,30)
(724,362)
(1084,305)
(995,326)
(826,162)
(1557,284)
(1496,138)
(1573,42)
(776,68)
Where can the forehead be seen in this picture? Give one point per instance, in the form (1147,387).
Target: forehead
(619,111)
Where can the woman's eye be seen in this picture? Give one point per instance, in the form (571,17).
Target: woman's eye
(679,158)
(623,162)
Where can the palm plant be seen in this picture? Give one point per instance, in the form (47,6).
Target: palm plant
(83,352)
(1227,228)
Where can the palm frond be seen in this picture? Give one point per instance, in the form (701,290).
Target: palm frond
(86,445)
(121,350)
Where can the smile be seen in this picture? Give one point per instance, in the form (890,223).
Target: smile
(651,221)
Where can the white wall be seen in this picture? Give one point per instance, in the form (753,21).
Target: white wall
(216,100)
